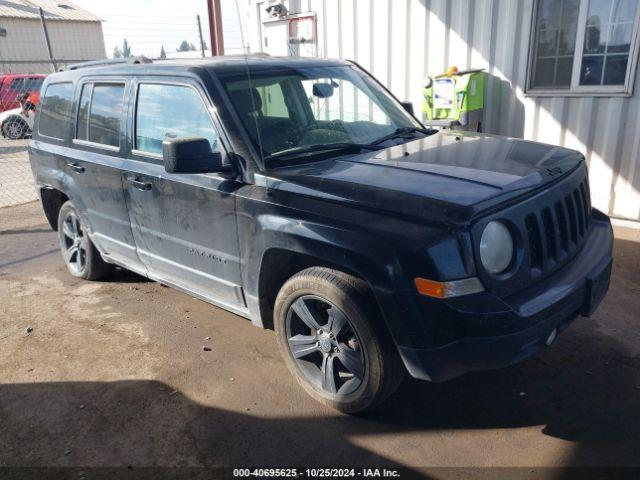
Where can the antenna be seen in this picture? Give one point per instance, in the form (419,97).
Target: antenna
(253,103)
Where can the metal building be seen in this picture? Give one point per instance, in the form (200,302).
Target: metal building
(74,35)
(558,71)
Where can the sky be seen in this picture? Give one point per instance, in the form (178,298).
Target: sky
(150,25)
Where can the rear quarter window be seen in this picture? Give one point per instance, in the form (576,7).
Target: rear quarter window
(55,110)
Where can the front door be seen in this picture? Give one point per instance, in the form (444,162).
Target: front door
(184,225)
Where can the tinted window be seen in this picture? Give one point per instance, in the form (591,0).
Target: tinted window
(33,84)
(100,113)
(55,114)
(170,111)
(82,128)
(17,84)
(27,84)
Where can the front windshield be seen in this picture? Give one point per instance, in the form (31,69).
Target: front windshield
(293,108)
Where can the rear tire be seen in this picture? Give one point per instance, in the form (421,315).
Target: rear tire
(78,251)
(334,341)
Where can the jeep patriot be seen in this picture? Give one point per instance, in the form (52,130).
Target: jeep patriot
(301,194)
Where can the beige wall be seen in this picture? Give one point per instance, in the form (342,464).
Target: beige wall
(70,40)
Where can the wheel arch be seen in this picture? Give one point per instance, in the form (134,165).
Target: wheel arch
(283,247)
(277,266)
(52,200)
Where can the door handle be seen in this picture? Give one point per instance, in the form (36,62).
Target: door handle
(139,184)
(75,167)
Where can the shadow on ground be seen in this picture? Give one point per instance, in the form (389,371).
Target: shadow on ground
(588,395)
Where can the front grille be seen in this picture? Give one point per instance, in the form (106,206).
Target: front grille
(557,231)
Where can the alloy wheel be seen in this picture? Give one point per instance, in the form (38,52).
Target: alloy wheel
(14,130)
(325,346)
(74,244)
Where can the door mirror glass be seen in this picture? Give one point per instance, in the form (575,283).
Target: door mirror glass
(191,155)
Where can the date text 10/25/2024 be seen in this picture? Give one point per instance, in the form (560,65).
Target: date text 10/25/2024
(316,472)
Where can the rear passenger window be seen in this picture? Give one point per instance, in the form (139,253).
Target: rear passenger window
(170,111)
(100,113)
(55,112)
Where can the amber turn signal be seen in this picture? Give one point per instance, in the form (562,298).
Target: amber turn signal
(455,288)
(430,288)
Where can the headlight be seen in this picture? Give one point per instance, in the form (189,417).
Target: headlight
(496,247)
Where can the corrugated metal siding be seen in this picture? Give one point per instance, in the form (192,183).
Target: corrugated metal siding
(402,41)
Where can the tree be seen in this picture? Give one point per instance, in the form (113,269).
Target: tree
(116,52)
(192,47)
(163,54)
(184,47)
(126,49)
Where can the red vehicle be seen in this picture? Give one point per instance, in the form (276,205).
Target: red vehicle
(13,85)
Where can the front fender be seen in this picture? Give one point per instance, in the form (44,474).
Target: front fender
(373,261)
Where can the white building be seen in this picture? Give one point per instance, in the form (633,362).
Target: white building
(74,33)
(559,71)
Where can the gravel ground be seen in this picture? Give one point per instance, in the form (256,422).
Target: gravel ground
(114,373)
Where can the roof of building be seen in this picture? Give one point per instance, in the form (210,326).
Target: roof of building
(53,10)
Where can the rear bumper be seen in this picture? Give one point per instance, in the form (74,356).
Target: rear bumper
(541,310)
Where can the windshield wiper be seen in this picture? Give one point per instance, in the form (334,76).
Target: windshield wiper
(399,132)
(323,148)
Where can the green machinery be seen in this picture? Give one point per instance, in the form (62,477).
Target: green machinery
(455,100)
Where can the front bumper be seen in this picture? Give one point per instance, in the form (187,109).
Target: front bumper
(539,312)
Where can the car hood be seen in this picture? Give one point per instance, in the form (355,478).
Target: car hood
(446,176)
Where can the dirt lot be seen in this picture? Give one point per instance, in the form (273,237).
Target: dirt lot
(16,179)
(114,373)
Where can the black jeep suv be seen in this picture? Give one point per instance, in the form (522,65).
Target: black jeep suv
(299,193)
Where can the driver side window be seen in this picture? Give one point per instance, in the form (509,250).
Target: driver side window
(170,111)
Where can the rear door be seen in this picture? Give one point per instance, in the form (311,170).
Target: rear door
(184,225)
(95,161)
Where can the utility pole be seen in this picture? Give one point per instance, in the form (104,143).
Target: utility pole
(46,39)
(215,27)
(200,32)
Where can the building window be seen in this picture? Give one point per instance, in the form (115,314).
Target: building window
(584,46)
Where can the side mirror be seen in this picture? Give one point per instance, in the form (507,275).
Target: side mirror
(323,90)
(408,106)
(191,155)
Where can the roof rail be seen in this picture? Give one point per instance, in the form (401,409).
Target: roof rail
(108,61)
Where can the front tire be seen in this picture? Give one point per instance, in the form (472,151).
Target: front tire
(80,254)
(333,340)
